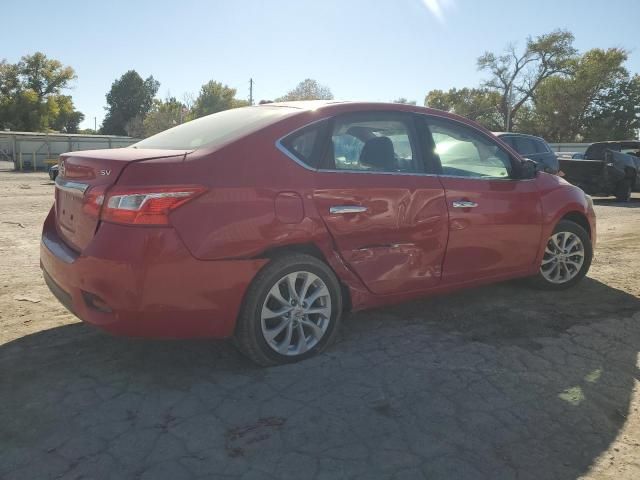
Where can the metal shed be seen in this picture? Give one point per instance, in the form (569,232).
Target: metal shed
(37,151)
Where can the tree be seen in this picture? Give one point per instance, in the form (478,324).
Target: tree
(66,118)
(215,97)
(45,76)
(615,112)
(308,89)
(163,115)
(478,104)
(129,100)
(31,96)
(517,76)
(9,78)
(593,93)
(404,101)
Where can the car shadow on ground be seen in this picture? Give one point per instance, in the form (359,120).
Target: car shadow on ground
(495,382)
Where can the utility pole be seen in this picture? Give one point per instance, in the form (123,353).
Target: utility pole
(251,91)
(95,124)
(509,103)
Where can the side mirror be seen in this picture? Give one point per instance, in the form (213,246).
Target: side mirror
(528,169)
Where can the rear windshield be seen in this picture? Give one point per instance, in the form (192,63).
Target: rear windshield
(216,129)
(597,150)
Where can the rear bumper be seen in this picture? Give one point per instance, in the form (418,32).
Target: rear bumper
(146,283)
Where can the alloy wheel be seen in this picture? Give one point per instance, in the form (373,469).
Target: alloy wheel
(563,257)
(296,313)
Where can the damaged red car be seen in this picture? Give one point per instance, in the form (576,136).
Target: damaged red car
(266,223)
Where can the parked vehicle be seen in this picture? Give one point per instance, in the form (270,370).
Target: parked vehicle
(265,223)
(570,155)
(534,148)
(53,172)
(608,168)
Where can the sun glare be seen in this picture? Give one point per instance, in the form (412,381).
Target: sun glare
(438,7)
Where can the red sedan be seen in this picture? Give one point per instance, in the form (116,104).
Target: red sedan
(265,223)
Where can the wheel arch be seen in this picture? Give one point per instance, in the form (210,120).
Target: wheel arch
(578,218)
(312,250)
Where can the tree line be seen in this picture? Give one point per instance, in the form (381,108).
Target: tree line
(134,110)
(546,88)
(31,100)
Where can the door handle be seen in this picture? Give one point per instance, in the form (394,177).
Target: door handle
(464,204)
(341,209)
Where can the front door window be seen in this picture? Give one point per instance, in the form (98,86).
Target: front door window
(466,153)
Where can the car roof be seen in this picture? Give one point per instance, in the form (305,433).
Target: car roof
(515,134)
(612,142)
(302,104)
(336,107)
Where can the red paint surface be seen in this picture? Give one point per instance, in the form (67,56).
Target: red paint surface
(188,279)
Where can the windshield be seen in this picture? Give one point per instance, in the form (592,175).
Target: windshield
(216,129)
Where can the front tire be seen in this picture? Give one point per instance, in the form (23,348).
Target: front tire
(567,257)
(291,311)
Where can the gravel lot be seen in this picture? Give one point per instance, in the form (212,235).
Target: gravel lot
(499,382)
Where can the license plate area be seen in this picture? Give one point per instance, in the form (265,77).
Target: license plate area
(69,202)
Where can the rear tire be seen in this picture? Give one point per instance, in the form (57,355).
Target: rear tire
(291,311)
(623,190)
(567,258)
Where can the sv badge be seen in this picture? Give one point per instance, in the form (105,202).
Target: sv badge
(105,172)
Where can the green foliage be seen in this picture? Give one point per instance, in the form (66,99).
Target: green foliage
(164,114)
(308,89)
(615,112)
(45,76)
(215,97)
(551,91)
(64,117)
(128,101)
(478,104)
(31,98)
(594,103)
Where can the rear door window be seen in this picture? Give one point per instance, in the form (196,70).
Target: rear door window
(373,142)
(304,144)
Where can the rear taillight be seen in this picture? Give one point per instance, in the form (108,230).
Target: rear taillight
(145,206)
(93,200)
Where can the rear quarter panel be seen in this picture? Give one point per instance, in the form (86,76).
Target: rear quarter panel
(257,200)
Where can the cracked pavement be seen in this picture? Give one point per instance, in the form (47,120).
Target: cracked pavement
(500,382)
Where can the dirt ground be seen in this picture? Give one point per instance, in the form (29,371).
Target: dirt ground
(496,382)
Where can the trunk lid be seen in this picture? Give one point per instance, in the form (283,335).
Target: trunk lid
(85,175)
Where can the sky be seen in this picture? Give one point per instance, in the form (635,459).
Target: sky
(376,50)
